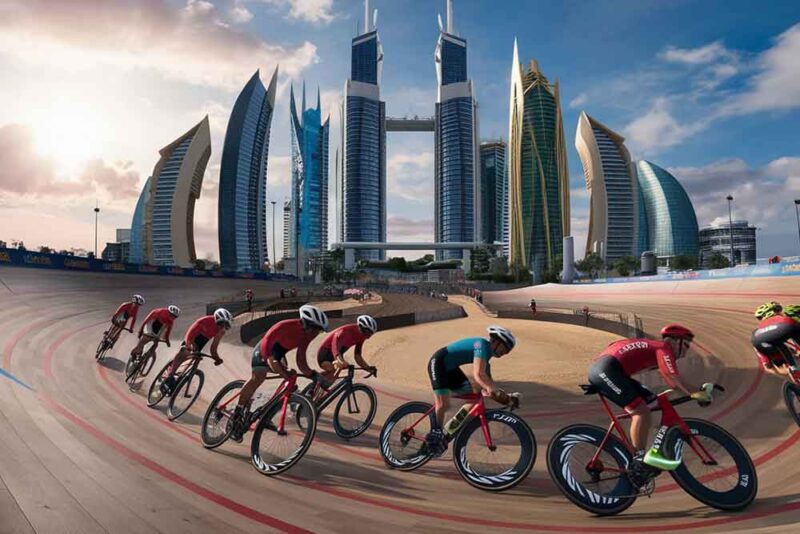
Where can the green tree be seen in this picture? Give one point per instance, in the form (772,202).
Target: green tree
(591,264)
(200,265)
(626,265)
(44,249)
(718,261)
(480,258)
(519,273)
(683,262)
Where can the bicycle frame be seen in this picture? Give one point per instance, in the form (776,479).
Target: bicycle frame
(342,386)
(478,410)
(669,418)
(284,390)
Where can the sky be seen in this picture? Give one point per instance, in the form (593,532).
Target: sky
(91,90)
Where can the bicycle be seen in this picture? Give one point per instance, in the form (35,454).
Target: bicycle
(189,383)
(278,441)
(349,424)
(108,341)
(139,366)
(590,464)
(791,387)
(493,450)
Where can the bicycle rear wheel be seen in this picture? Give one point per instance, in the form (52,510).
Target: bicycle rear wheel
(218,420)
(502,467)
(603,490)
(102,347)
(791,395)
(273,451)
(730,483)
(186,392)
(154,395)
(402,438)
(131,366)
(354,412)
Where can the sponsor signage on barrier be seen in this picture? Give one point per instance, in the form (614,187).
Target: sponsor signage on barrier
(26,258)
(740,271)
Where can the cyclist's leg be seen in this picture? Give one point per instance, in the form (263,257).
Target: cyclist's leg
(325,362)
(259,373)
(139,348)
(437,373)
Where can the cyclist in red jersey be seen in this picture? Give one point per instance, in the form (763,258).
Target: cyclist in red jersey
(156,326)
(777,338)
(205,329)
(127,311)
(330,356)
(270,353)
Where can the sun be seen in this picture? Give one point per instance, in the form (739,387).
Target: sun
(68,135)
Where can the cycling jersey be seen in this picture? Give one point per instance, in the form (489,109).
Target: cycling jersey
(201,331)
(341,339)
(770,339)
(126,311)
(288,335)
(466,350)
(444,367)
(636,355)
(157,319)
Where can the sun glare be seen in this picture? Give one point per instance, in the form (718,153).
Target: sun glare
(68,135)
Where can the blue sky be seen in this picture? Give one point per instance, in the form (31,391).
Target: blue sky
(709,90)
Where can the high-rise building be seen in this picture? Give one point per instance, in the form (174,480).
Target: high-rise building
(287,228)
(309,217)
(716,239)
(539,211)
(617,220)
(242,205)
(362,189)
(671,220)
(457,211)
(494,202)
(137,252)
(168,228)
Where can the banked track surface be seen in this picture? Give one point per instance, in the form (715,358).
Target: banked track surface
(79,453)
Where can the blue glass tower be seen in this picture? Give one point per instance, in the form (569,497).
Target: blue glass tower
(456,188)
(242,208)
(494,190)
(137,253)
(361,184)
(309,179)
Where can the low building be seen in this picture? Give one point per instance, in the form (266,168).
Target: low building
(717,239)
(121,249)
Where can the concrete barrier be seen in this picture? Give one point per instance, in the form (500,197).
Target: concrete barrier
(456,312)
(590,321)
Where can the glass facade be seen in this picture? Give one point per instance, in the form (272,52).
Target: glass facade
(137,251)
(717,240)
(364,59)
(671,220)
(494,204)
(163,198)
(453,59)
(242,207)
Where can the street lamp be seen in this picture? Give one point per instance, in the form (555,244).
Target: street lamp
(96,212)
(730,226)
(274,252)
(797,213)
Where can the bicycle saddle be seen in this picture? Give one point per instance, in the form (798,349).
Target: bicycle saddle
(589,389)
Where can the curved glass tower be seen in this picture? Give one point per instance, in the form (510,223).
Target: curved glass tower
(242,207)
(137,253)
(671,219)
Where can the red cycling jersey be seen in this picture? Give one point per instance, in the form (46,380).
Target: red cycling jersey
(772,333)
(131,308)
(163,316)
(290,335)
(204,326)
(343,338)
(636,355)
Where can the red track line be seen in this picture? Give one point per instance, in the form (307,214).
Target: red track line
(47,364)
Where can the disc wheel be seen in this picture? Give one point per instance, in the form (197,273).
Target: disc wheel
(217,422)
(507,463)
(403,436)
(603,490)
(154,395)
(355,411)
(730,483)
(791,395)
(274,451)
(187,391)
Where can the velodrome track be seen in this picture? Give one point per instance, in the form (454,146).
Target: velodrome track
(79,453)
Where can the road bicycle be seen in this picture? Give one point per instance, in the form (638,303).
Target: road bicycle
(110,338)
(140,365)
(493,450)
(590,464)
(791,387)
(357,404)
(281,436)
(188,385)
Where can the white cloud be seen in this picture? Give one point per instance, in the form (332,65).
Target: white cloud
(279,173)
(316,11)
(709,53)
(579,100)
(658,130)
(240,14)
(411,176)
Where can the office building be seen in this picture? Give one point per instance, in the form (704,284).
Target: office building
(136,251)
(494,202)
(716,239)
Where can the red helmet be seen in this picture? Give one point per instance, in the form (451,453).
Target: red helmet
(677,331)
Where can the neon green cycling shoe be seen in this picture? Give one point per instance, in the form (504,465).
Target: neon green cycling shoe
(654,458)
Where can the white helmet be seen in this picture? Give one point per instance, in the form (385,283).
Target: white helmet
(504,334)
(174,310)
(138,299)
(367,323)
(314,316)
(223,316)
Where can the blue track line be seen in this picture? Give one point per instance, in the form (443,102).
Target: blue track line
(13,378)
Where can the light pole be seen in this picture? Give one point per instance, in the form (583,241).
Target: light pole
(730,226)
(96,212)
(797,213)
(274,252)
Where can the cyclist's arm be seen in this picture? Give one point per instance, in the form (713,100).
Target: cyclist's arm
(215,344)
(302,364)
(167,333)
(359,357)
(481,375)
(132,317)
(277,367)
(668,367)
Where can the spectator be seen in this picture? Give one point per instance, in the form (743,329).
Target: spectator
(248,295)
(532,306)
(586,315)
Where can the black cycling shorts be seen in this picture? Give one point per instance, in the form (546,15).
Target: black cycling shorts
(771,342)
(324,355)
(607,375)
(278,354)
(444,381)
(156,326)
(199,342)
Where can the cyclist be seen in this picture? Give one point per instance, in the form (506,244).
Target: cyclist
(777,330)
(331,353)
(158,321)
(612,373)
(270,353)
(205,329)
(127,311)
(248,295)
(446,376)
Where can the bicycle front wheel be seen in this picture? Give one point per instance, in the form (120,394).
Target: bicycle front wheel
(402,438)
(218,420)
(507,463)
(186,392)
(728,482)
(791,395)
(154,394)
(275,449)
(102,347)
(354,412)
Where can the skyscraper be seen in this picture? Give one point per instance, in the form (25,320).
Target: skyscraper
(362,193)
(617,220)
(539,211)
(671,220)
(137,252)
(168,227)
(494,204)
(242,207)
(456,187)
(309,179)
